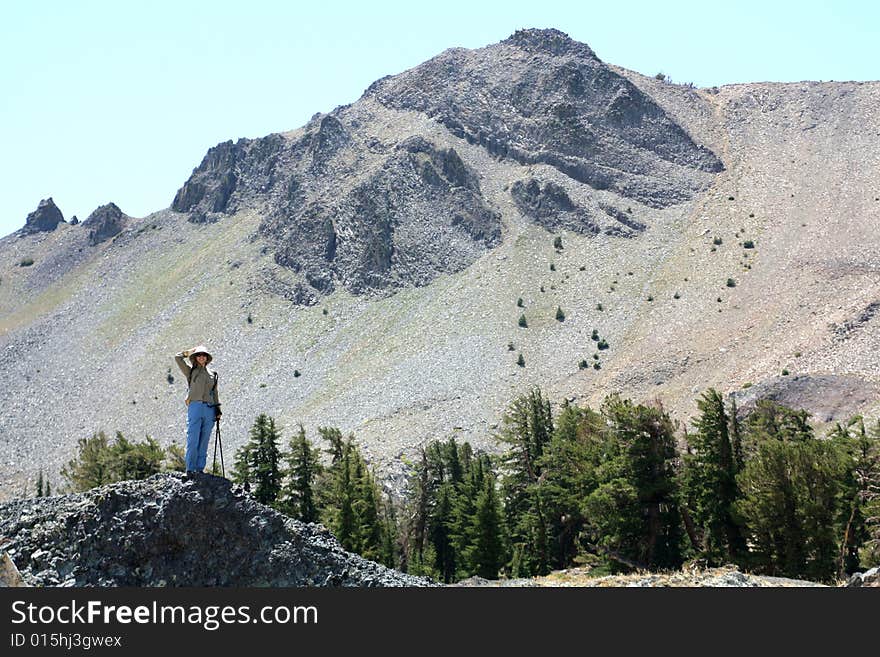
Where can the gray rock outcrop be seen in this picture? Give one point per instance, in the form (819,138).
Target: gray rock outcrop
(246,166)
(550,206)
(104,223)
(174,531)
(828,397)
(421,213)
(45,218)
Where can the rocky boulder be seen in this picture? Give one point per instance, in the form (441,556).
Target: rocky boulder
(45,218)
(870,578)
(827,397)
(105,222)
(177,531)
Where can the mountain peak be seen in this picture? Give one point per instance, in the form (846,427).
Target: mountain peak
(550,41)
(105,222)
(350,202)
(45,218)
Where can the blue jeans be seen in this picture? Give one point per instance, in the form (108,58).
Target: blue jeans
(199,422)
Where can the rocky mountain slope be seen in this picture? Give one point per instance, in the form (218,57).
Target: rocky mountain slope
(718,237)
(172,531)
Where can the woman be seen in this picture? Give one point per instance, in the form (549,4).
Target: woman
(203,405)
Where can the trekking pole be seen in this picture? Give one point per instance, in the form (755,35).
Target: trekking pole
(217,441)
(220,442)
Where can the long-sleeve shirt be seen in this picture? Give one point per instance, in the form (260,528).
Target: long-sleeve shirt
(201,382)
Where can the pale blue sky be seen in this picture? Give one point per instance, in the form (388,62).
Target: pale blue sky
(118,101)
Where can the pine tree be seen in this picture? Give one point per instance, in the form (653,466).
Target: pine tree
(257,463)
(445,560)
(527,427)
(442,505)
(420,502)
(337,445)
(390,531)
(242,471)
(790,485)
(134,460)
(337,508)
(421,496)
(772,420)
(267,469)
(368,522)
(870,481)
(615,522)
(633,514)
(456,524)
(90,467)
(40,484)
(100,462)
(302,468)
(735,432)
(486,554)
(859,478)
(350,499)
(568,476)
(709,482)
(464,498)
(452,459)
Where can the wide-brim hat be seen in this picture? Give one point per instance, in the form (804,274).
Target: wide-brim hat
(201,349)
